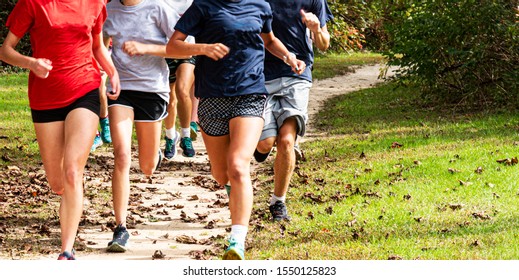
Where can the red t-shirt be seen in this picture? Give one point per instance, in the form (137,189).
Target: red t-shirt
(60,30)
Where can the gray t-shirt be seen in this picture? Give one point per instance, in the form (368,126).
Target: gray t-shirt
(150,22)
(181,7)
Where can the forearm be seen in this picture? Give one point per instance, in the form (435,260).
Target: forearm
(103,58)
(321,39)
(12,57)
(277,48)
(179,48)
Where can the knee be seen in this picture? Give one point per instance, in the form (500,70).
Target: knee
(285,143)
(183,92)
(122,160)
(57,187)
(73,178)
(238,170)
(220,177)
(265,145)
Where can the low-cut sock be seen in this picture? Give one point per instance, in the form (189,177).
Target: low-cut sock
(170,132)
(274,199)
(239,233)
(185,132)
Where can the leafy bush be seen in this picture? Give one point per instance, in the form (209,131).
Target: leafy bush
(357,25)
(463,52)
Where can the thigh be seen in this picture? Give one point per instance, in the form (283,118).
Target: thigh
(185,78)
(51,140)
(217,148)
(148,137)
(80,128)
(244,136)
(121,128)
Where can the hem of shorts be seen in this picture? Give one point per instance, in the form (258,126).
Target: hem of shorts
(247,116)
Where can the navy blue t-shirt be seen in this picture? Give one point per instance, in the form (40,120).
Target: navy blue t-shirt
(288,27)
(236,24)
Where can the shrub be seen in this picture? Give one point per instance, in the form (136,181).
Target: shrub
(463,52)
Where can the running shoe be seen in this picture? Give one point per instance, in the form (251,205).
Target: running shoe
(67,256)
(279,211)
(171,146)
(160,160)
(193,127)
(261,157)
(235,250)
(300,156)
(228,190)
(119,240)
(97,142)
(105,130)
(186,144)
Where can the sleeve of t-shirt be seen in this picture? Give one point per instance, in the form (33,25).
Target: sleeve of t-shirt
(267,24)
(329,15)
(319,9)
(21,18)
(98,25)
(191,22)
(168,19)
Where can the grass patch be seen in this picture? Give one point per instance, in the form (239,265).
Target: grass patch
(398,180)
(331,65)
(17,138)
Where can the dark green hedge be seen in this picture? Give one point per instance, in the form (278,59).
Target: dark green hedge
(459,51)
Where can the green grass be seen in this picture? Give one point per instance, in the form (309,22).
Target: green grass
(441,195)
(17,138)
(330,65)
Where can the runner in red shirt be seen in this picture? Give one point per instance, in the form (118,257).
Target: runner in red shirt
(63,91)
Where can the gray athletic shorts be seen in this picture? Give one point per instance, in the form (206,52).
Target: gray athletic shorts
(214,114)
(288,97)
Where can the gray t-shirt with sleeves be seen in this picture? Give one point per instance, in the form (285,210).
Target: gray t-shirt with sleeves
(150,22)
(181,7)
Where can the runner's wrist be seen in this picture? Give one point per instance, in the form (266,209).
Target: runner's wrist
(287,57)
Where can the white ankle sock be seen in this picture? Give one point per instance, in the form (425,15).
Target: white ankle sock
(275,198)
(170,132)
(185,132)
(239,232)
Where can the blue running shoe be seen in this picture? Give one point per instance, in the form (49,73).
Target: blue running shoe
(193,127)
(235,251)
(171,146)
(228,190)
(97,142)
(105,130)
(67,256)
(119,240)
(186,144)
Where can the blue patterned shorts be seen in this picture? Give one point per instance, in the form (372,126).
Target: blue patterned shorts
(214,114)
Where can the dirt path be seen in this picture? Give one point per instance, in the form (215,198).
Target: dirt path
(187,209)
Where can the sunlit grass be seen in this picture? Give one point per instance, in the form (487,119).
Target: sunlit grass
(393,179)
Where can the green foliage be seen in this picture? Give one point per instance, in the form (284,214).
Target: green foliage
(463,52)
(357,25)
(24,46)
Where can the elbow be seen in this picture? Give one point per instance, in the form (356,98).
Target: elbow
(324,46)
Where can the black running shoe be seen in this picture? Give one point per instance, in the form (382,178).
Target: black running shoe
(279,211)
(260,157)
